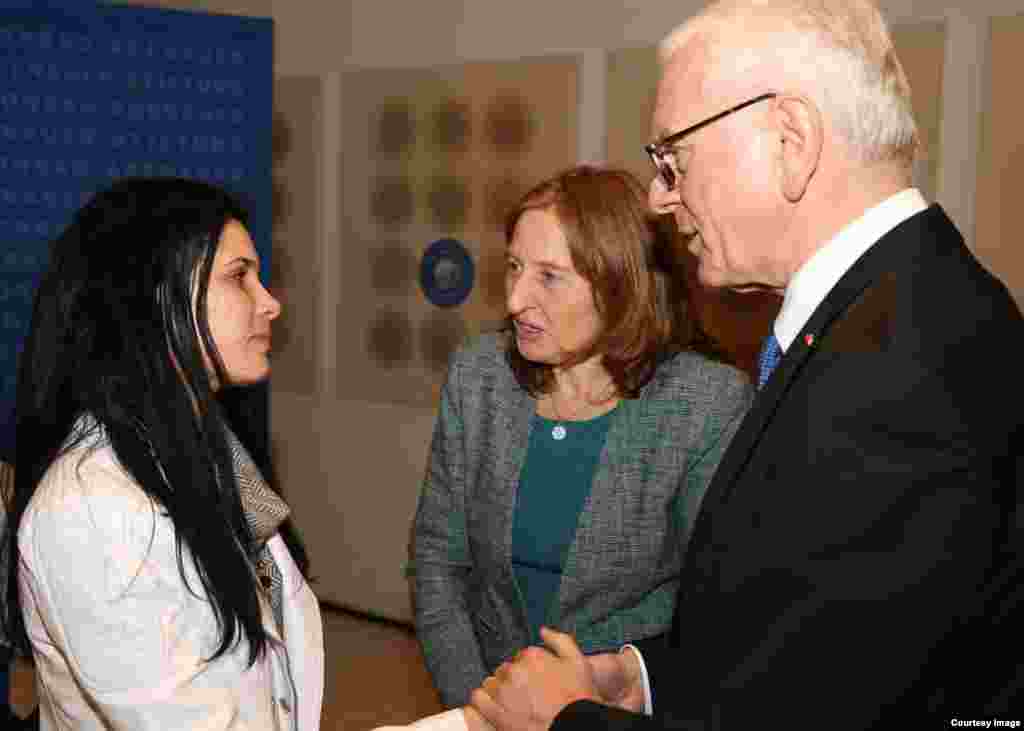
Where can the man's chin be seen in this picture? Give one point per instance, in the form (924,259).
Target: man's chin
(713,278)
(751,288)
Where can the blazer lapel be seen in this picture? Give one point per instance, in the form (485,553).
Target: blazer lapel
(880,259)
(518,421)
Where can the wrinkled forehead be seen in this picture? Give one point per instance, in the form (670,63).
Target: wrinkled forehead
(683,88)
(701,78)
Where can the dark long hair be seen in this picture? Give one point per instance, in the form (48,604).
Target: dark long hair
(113,337)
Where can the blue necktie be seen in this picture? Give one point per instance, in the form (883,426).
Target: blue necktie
(770,356)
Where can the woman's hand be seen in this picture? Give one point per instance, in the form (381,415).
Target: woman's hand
(527,692)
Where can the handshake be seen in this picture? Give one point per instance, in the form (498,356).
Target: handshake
(527,692)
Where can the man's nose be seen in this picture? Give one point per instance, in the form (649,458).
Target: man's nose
(660,199)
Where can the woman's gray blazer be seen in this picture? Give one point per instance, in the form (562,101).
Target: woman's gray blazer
(620,576)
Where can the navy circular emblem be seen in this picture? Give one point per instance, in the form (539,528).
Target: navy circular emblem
(446,273)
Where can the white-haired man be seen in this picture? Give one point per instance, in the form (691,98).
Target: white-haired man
(854,564)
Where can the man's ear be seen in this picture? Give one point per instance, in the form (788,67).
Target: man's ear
(800,127)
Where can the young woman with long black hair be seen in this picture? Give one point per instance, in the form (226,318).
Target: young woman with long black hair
(158,582)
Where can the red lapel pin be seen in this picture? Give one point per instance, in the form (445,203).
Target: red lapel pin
(809,339)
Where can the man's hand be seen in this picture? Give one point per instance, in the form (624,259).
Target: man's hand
(618,678)
(527,693)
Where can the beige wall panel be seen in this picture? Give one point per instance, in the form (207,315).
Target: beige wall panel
(632,82)
(351,473)
(921,50)
(294,277)
(1001,160)
(429,154)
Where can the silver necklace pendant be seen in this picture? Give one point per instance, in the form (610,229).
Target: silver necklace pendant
(558,432)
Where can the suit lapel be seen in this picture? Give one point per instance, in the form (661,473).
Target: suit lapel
(882,258)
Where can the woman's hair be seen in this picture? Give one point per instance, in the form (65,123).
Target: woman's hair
(627,256)
(839,52)
(115,340)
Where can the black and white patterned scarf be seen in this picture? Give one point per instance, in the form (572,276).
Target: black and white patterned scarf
(264,512)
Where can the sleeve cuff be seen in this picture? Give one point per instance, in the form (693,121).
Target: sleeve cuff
(648,701)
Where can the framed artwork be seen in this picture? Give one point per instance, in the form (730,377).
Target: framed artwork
(430,169)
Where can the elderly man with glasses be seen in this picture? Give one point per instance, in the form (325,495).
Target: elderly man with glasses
(855,563)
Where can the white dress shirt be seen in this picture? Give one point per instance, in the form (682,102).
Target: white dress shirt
(815,279)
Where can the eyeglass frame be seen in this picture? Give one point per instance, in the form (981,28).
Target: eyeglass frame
(657,151)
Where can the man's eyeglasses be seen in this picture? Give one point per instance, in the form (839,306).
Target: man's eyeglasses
(667,156)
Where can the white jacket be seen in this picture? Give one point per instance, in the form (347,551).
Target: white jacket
(119,639)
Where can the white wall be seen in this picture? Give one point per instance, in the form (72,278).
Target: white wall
(352,469)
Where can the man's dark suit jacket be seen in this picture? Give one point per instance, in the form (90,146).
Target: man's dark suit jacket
(855,564)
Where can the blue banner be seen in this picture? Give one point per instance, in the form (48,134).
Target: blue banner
(90,93)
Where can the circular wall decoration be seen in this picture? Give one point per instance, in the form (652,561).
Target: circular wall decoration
(280,201)
(389,339)
(391,201)
(448,200)
(451,125)
(446,273)
(392,268)
(396,129)
(280,138)
(509,124)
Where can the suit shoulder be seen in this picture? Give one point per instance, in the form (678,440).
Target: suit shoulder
(945,288)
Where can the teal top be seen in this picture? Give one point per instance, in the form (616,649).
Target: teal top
(553,485)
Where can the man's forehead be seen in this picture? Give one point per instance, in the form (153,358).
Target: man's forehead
(680,91)
(694,85)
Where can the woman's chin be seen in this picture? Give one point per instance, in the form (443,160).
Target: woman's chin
(532,352)
(249,378)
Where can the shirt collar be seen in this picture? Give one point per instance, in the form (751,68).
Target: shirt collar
(819,274)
